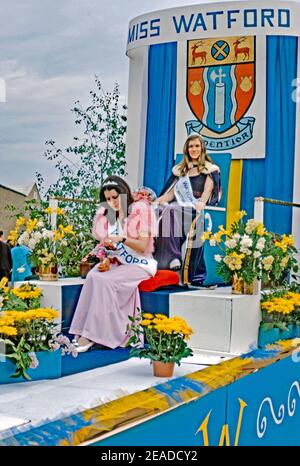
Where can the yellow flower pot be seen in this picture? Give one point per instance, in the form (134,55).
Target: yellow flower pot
(239,286)
(48,273)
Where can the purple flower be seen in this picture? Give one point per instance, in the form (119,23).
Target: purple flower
(34,361)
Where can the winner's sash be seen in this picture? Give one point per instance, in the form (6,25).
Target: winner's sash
(184,193)
(128,256)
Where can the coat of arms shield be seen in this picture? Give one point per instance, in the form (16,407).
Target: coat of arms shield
(220,83)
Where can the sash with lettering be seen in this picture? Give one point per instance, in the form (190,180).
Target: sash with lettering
(184,193)
(129,256)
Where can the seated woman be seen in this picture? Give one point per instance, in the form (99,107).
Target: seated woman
(110,293)
(194,183)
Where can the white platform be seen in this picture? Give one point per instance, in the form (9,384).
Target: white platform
(34,402)
(221,320)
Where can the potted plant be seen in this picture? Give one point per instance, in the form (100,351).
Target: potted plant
(166,341)
(250,253)
(48,246)
(30,345)
(280,316)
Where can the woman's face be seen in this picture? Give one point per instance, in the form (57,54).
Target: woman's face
(194,149)
(112,198)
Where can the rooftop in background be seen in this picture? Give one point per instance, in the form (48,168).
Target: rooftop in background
(20,189)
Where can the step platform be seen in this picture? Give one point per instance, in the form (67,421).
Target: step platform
(221,321)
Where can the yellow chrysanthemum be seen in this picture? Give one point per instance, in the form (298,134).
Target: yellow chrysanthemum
(145,322)
(3,283)
(206,235)
(147,315)
(9,331)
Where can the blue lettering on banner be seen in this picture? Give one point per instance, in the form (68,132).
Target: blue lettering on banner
(231,19)
(199,23)
(128,258)
(214,15)
(155,29)
(182,21)
(131,35)
(267,14)
(247,18)
(281,14)
(143,29)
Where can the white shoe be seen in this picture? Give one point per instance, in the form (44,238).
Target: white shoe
(175,264)
(84,348)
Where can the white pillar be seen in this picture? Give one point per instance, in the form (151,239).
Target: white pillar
(259,209)
(137,115)
(53,203)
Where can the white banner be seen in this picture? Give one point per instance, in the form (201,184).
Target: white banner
(237,18)
(221,94)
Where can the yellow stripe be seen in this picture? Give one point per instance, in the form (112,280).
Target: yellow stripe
(234,190)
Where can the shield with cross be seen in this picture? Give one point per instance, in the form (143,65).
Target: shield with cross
(220,80)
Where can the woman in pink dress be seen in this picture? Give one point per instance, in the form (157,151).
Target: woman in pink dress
(110,293)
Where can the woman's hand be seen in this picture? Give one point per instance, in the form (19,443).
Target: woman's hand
(104,265)
(113,239)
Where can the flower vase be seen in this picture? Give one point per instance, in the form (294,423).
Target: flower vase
(163,369)
(48,272)
(239,286)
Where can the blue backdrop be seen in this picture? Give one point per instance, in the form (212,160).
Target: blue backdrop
(269,177)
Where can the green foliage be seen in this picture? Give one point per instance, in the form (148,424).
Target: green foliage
(166,338)
(83,166)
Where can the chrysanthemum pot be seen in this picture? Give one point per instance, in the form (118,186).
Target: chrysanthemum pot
(163,369)
(268,336)
(49,368)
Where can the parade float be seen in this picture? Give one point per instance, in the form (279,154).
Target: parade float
(227,71)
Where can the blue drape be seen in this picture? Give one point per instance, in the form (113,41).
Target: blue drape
(160,133)
(273,176)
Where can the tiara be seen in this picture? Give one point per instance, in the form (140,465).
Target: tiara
(110,183)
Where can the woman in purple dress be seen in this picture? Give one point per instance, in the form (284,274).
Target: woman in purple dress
(110,293)
(194,184)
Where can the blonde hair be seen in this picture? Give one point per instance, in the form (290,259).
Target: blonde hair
(185,164)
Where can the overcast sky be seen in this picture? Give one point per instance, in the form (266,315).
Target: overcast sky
(49,54)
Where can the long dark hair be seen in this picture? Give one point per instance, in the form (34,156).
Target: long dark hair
(117,183)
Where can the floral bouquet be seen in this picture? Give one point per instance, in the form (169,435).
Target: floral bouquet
(166,338)
(25,332)
(100,252)
(97,255)
(144,193)
(25,297)
(250,252)
(47,246)
(280,308)
(3,291)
